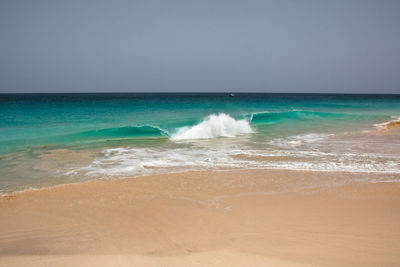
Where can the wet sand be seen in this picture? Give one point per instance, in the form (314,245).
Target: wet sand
(230,218)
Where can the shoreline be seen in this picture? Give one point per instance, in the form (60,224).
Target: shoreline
(237,218)
(303,171)
(62,166)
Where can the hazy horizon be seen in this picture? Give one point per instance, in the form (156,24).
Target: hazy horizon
(200,47)
(202,92)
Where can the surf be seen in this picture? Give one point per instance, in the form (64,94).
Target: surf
(214,126)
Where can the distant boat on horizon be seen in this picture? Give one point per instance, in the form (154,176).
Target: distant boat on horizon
(231,95)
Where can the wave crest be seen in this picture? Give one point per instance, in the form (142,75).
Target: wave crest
(125,132)
(272,117)
(221,125)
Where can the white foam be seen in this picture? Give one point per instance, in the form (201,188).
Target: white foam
(309,152)
(131,161)
(221,125)
(298,140)
(143,161)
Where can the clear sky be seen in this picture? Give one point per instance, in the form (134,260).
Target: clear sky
(200,46)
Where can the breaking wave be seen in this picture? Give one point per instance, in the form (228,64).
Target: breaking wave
(221,125)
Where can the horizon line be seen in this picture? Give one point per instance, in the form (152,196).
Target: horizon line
(175,92)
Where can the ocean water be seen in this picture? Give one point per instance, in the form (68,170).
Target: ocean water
(50,139)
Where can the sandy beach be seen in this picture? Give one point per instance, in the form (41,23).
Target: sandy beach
(226,218)
(199,133)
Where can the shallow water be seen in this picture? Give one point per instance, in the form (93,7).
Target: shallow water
(49,139)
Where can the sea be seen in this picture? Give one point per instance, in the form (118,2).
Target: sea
(53,139)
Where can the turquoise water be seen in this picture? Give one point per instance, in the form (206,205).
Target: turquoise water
(121,132)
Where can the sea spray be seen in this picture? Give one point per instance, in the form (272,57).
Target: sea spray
(221,125)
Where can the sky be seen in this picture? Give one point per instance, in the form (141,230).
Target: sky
(200,46)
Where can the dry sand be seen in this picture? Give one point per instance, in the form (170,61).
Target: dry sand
(235,218)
